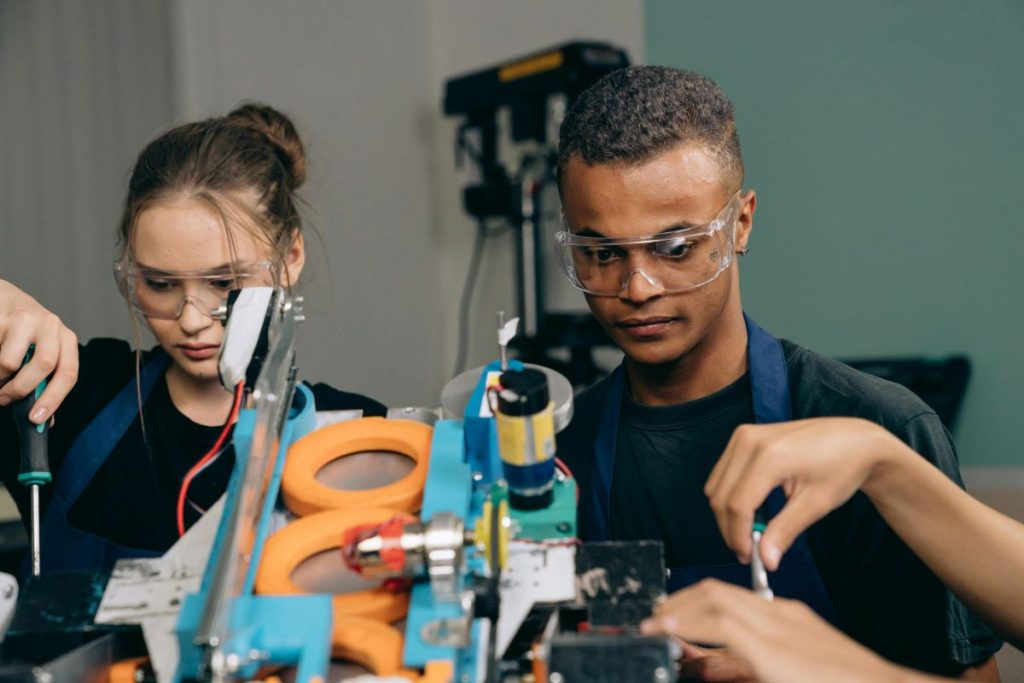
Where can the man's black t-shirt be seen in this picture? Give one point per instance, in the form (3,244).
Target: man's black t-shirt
(884,595)
(663,456)
(133,497)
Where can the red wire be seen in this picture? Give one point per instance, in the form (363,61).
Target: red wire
(236,405)
(564,469)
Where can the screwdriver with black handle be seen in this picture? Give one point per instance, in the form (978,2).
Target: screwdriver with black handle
(35,460)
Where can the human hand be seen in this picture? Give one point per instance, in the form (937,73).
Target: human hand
(713,665)
(819,463)
(780,641)
(23,322)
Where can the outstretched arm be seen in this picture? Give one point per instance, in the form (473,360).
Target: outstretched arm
(821,462)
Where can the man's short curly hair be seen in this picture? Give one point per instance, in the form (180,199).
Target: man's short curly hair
(634,114)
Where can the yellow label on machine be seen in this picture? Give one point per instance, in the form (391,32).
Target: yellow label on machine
(529,67)
(529,439)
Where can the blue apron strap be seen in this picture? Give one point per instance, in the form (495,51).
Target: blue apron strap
(797,575)
(769,381)
(65,547)
(599,511)
(92,447)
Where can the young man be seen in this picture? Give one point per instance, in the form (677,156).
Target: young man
(656,216)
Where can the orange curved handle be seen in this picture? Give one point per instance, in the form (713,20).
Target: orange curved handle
(304,494)
(288,548)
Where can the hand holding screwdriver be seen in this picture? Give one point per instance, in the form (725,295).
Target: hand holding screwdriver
(35,460)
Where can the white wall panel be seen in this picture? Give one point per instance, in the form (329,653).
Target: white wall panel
(82,87)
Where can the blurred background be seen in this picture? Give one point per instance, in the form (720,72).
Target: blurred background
(884,141)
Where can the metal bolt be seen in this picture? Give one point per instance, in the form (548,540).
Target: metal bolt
(661,675)
(555,677)
(563,527)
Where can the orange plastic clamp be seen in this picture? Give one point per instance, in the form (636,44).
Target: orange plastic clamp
(308,536)
(304,494)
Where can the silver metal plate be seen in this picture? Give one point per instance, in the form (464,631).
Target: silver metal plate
(456,394)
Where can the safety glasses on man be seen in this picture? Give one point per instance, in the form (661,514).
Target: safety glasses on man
(163,294)
(678,259)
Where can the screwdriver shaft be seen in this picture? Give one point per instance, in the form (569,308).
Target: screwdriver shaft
(35,531)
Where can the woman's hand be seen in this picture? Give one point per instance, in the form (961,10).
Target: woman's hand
(819,463)
(24,322)
(782,641)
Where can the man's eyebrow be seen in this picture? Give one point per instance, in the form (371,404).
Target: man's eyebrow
(677,228)
(591,232)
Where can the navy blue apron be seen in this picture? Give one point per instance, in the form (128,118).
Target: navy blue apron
(797,576)
(63,547)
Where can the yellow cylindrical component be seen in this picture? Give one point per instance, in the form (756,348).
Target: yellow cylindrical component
(527,439)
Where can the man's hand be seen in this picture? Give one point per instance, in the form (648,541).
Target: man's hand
(23,322)
(819,463)
(780,642)
(713,665)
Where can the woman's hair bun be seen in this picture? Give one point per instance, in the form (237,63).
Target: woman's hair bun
(280,133)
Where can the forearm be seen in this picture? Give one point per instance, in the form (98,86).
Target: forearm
(976,551)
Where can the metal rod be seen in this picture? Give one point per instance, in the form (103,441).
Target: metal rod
(36,560)
(758,575)
(502,348)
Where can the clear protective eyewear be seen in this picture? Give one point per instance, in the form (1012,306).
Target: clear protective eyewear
(164,294)
(677,260)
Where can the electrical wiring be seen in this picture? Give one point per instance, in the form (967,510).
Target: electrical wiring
(211,455)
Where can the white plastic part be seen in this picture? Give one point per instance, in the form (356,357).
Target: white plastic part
(8,600)
(245,324)
(508,331)
(534,573)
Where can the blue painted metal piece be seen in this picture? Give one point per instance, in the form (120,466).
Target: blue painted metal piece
(449,481)
(272,625)
(481,432)
(460,450)
(449,488)
(286,629)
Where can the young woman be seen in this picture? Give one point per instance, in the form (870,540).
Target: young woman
(210,207)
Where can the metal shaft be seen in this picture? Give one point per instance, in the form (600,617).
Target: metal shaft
(758,575)
(502,347)
(35,530)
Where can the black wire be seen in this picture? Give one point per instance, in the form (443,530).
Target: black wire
(467,296)
(495,562)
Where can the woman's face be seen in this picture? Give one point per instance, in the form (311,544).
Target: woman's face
(187,236)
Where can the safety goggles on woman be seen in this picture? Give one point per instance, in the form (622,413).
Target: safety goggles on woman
(677,260)
(163,294)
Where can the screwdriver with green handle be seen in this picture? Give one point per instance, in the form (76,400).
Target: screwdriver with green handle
(35,460)
(758,575)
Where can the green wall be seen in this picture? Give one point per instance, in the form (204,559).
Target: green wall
(886,143)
